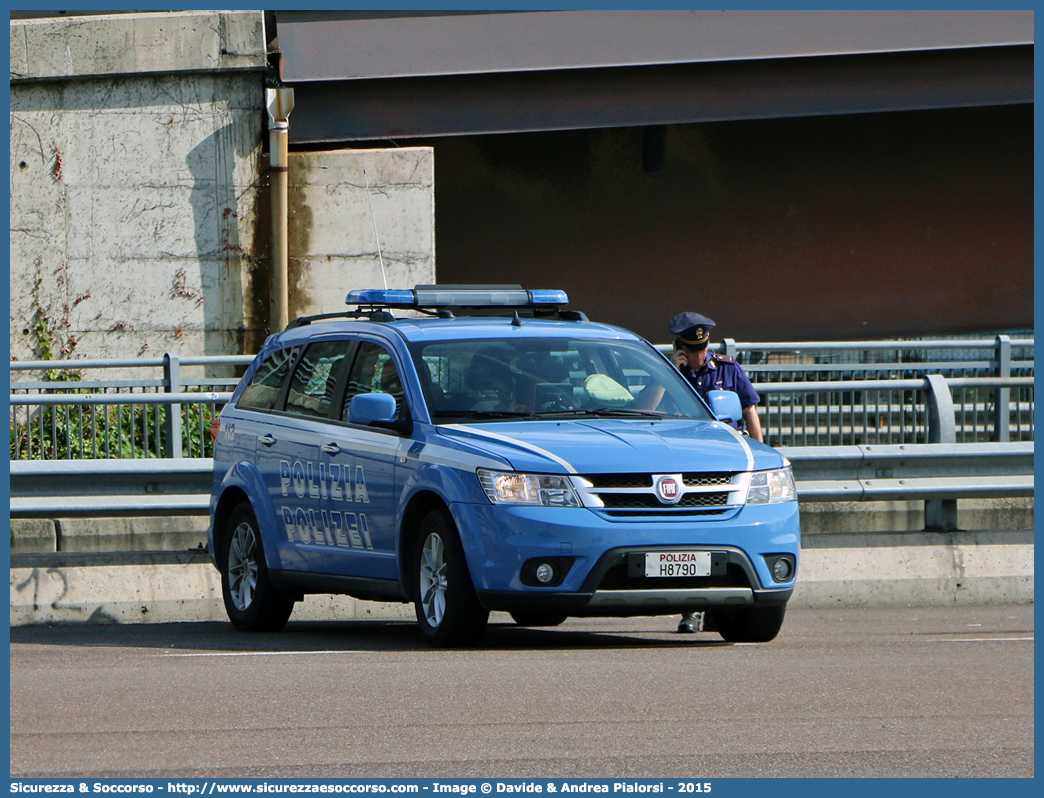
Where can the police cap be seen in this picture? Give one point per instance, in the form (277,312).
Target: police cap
(692,328)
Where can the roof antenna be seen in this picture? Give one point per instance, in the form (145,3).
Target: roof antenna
(384,275)
(516,321)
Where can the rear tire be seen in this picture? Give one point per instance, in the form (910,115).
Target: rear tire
(252,602)
(538,618)
(448,611)
(748,624)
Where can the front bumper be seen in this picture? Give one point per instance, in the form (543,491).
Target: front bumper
(500,541)
(609,591)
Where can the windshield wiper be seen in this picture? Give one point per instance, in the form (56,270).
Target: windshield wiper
(482,414)
(623,411)
(597,412)
(604,411)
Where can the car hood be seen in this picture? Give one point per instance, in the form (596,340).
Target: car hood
(600,446)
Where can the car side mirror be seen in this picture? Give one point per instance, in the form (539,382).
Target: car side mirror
(372,408)
(725,405)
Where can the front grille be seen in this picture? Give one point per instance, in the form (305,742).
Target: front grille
(663,513)
(638,501)
(629,501)
(701,480)
(620,480)
(704,500)
(694,480)
(616,578)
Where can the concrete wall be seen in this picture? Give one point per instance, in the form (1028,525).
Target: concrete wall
(133,213)
(135,156)
(342,203)
(139,202)
(185,41)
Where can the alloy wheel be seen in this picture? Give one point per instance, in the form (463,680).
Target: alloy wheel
(433,580)
(242,566)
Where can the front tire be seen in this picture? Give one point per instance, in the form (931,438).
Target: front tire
(252,602)
(448,611)
(748,624)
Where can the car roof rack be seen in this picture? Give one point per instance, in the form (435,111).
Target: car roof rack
(369,315)
(374,304)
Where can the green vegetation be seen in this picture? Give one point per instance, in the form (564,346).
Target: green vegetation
(77,432)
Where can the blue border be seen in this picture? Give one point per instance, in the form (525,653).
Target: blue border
(854,787)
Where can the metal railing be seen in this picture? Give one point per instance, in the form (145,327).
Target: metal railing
(72,419)
(835,393)
(938,474)
(863,412)
(817,404)
(967,357)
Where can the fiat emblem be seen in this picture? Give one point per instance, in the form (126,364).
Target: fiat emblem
(668,490)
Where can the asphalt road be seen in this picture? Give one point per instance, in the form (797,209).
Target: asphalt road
(867,692)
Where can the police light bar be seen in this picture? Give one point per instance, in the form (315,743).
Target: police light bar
(457,296)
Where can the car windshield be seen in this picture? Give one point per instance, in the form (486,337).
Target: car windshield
(541,378)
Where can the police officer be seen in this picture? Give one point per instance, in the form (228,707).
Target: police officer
(709,371)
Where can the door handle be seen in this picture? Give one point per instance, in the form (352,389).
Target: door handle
(266,440)
(330,448)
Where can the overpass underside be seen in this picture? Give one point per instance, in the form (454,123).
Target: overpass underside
(794,175)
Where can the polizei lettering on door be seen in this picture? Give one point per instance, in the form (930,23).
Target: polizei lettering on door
(327,526)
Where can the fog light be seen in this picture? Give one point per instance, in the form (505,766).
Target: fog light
(545,573)
(781,570)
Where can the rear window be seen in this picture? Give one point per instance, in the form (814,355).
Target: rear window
(264,387)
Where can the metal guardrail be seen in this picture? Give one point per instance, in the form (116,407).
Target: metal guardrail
(938,474)
(104,488)
(913,472)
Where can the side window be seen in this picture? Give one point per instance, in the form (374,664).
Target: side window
(315,378)
(373,372)
(263,390)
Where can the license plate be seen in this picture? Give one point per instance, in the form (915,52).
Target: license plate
(678,563)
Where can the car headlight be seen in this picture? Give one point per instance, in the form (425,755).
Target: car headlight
(772,486)
(544,490)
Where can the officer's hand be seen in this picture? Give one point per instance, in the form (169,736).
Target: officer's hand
(679,358)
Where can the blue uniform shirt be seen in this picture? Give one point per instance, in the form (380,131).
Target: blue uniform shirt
(723,373)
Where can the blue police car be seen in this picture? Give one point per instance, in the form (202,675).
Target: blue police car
(492,451)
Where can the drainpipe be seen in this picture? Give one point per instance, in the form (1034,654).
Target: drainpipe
(280,104)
